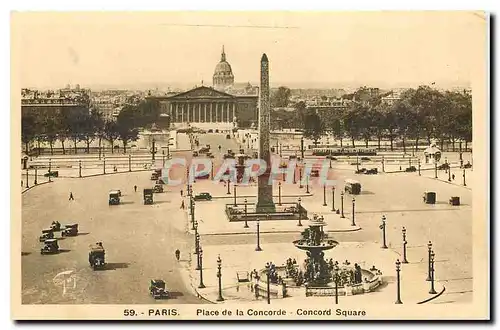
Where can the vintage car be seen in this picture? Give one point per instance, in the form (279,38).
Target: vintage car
(70,230)
(255,155)
(154,176)
(148,196)
(46,234)
(229,156)
(114,197)
(444,166)
(96,256)
(195,153)
(360,171)
(158,188)
(315,173)
(157,289)
(52,174)
(50,247)
(119,192)
(160,181)
(203,150)
(352,187)
(210,155)
(204,196)
(411,169)
(55,226)
(228,136)
(372,171)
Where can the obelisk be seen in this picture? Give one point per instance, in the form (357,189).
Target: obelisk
(265,201)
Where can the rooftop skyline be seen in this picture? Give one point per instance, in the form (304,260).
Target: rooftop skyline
(316,50)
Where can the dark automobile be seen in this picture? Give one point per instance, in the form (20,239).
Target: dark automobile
(352,187)
(444,166)
(158,188)
(52,173)
(114,197)
(360,171)
(47,234)
(96,256)
(229,156)
(228,136)
(372,171)
(148,196)
(315,173)
(55,226)
(50,247)
(411,169)
(203,197)
(157,289)
(70,230)
(154,176)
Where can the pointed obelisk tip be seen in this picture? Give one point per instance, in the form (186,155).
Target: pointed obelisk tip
(264,58)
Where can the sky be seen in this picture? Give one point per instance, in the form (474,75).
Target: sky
(309,49)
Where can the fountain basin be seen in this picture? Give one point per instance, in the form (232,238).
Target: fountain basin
(325,245)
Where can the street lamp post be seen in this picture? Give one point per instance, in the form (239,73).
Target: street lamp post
(198,248)
(353,213)
(153,151)
(333,199)
(200,254)
(80,168)
(228,187)
(258,248)
(300,178)
(219,276)
(246,221)
(446,167)
(300,213)
(324,195)
(192,213)
(432,290)
(342,204)
(163,158)
(419,167)
(383,164)
(357,163)
(435,170)
(464,178)
(36,176)
(405,261)
(330,161)
(27,184)
(129,162)
(268,269)
(234,189)
(50,165)
(104,165)
(195,236)
(307,184)
(382,226)
(449,174)
(429,252)
(302,147)
(398,270)
(279,193)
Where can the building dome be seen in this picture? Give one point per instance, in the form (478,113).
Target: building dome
(223,74)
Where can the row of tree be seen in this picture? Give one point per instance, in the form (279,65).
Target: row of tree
(86,126)
(422,113)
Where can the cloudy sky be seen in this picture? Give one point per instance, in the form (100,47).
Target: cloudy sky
(327,49)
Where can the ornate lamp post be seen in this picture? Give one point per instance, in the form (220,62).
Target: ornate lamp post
(342,204)
(104,164)
(302,147)
(307,184)
(449,174)
(324,195)
(80,168)
(234,189)
(153,150)
(198,247)
(279,193)
(268,269)
(200,255)
(398,270)
(192,213)
(330,161)
(382,226)
(130,163)
(219,276)
(357,163)
(429,252)
(353,213)
(195,236)
(258,248)
(405,261)
(50,165)
(36,176)
(432,290)
(419,167)
(300,213)
(446,167)
(336,278)
(300,178)
(228,187)
(333,199)
(383,164)
(435,170)
(464,178)
(246,222)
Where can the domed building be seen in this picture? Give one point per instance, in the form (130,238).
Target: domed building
(223,75)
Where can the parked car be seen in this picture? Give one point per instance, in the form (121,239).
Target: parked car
(96,256)
(158,188)
(148,196)
(52,174)
(70,230)
(114,197)
(50,246)
(352,187)
(46,234)
(157,289)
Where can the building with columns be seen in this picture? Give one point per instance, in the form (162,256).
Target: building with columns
(208,108)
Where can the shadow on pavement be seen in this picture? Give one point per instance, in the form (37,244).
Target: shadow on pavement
(126,202)
(115,265)
(366,192)
(175,294)
(25,254)
(163,202)
(83,234)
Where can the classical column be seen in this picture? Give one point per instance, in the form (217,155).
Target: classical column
(216,112)
(234,111)
(182,113)
(199,113)
(227,108)
(211,111)
(171,111)
(205,109)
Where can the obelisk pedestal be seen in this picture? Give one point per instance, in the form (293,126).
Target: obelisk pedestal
(265,203)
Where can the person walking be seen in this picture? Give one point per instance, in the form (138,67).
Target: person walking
(182,205)
(177,254)
(453,177)
(71,198)
(182,193)
(135,188)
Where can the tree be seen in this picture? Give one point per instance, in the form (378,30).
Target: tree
(110,133)
(50,130)
(313,127)
(281,97)
(333,124)
(92,126)
(352,121)
(64,128)
(28,130)
(125,126)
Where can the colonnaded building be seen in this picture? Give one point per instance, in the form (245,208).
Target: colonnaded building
(224,105)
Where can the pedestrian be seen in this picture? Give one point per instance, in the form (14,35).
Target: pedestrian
(453,177)
(182,205)
(21,183)
(182,193)
(177,254)
(71,198)
(135,188)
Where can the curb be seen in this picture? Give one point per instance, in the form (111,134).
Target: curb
(31,187)
(433,297)
(276,232)
(99,174)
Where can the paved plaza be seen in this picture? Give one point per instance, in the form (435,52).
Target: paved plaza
(140,240)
